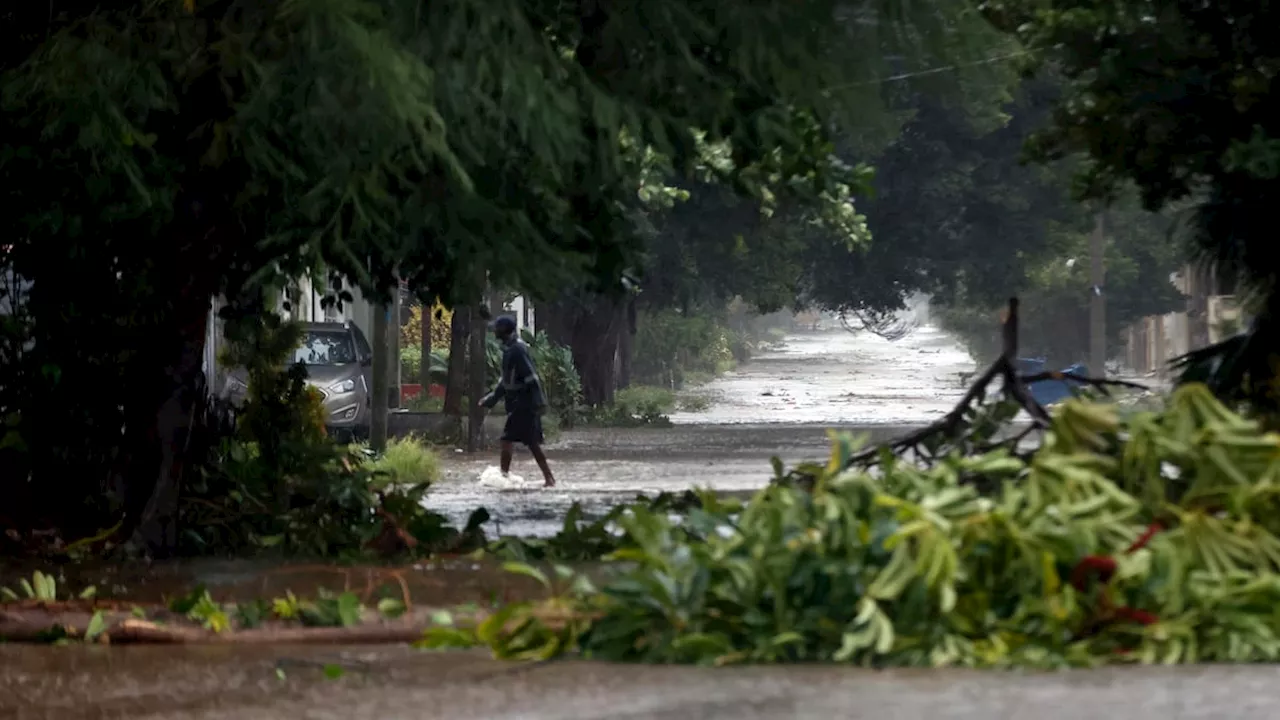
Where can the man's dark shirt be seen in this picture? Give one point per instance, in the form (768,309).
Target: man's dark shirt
(519,387)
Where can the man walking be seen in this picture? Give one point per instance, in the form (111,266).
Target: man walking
(521,393)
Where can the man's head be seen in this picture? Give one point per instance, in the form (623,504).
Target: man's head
(504,327)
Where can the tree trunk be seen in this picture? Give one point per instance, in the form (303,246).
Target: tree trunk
(626,345)
(455,384)
(424,372)
(590,327)
(477,378)
(159,434)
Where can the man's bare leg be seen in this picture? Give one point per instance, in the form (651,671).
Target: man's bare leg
(541,458)
(505,457)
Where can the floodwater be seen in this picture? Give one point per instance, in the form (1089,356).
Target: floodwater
(780,404)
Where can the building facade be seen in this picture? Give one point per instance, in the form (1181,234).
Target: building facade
(1211,315)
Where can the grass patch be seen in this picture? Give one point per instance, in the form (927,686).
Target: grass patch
(636,406)
(407,460)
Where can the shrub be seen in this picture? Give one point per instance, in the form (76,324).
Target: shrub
(670,345)
(407,461)
(560,379)
(441,322)
(637,406)
(411,363)
(278,482)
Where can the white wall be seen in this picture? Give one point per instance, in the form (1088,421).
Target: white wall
(516,308)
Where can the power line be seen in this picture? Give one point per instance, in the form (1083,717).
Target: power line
(935,70)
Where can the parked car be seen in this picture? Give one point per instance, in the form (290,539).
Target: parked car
(339,364)
(1049,392)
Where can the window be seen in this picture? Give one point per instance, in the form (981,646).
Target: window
(324,347)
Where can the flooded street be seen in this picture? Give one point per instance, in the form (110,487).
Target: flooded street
(781,403)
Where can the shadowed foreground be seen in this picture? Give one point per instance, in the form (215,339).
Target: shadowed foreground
(242,683)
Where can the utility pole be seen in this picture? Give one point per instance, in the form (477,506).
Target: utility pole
(381,385)
(1097,301)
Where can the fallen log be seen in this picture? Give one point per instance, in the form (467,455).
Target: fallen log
(40,625)
(951,427)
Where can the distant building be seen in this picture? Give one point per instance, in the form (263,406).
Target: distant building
(1213,314)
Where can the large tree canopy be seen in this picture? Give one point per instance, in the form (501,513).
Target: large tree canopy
(161,153)
(761,245)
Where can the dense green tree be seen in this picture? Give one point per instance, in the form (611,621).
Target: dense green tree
(956,214)
(951,210)
(162,153)
(767,248)
(1177,97)
(1055,290)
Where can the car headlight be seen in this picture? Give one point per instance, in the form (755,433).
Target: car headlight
(345,386)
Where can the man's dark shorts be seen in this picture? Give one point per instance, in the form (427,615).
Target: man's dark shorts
(524,427)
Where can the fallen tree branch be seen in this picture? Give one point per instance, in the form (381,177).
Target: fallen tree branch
(951,427)
(38,625)
(1102,384)
(887,326)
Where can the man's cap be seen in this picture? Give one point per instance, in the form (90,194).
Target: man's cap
(505,323)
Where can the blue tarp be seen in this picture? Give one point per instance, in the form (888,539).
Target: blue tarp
(1048,392)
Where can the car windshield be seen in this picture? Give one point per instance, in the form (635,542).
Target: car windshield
(325,347)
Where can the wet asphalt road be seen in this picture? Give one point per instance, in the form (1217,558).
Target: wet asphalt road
(390,683)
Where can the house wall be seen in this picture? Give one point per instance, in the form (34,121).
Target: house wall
(1156,340)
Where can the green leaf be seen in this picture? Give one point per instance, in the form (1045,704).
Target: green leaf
(97,626)
(528,571)
(349,609)
(391,608)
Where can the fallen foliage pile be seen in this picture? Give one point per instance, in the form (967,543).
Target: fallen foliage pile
(1152,539)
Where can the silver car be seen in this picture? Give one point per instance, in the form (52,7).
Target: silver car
(339,364)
